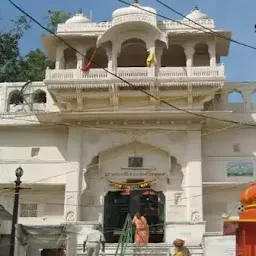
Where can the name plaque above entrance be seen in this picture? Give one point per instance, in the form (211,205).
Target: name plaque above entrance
(135,173)
(131,185)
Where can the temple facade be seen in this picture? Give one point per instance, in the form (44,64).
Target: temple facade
(150,126)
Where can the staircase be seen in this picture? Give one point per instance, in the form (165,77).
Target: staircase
(126,247)
(131,249)
(161,249)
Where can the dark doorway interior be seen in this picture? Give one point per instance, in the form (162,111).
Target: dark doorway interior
(52,252)
(148,202)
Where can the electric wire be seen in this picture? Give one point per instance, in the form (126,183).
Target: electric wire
(112,159)
(132,107)
(24,200)
(120,78)
(228,189)
(212,32)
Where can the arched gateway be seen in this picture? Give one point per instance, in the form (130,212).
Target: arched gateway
(137,178)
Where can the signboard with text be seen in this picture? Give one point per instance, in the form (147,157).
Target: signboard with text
(244,169)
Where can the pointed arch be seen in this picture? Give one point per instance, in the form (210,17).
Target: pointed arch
(39,96)
(70,58)
(100,57)
(174,56)
(133,53)
(201,55)
(235,97)
(15,97)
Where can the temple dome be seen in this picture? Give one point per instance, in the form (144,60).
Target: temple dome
(78,18)
(131,10)
(196,14)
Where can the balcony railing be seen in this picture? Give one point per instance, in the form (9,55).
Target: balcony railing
(164,25)
(136,73)
(133,72)
(70,74)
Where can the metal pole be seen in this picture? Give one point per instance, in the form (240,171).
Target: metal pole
(15,215)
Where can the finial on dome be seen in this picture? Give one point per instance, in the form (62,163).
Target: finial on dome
(196,8)
(136,1)
(80,11)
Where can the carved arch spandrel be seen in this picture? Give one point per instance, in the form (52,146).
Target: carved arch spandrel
(97,143)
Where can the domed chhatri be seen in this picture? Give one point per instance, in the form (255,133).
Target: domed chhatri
(78,18)
(196,14)
(133,9)
(248,200)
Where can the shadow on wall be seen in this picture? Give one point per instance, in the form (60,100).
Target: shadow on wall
(176,175)
(5,244)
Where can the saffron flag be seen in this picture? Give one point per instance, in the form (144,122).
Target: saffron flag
(151,59)
(89,64)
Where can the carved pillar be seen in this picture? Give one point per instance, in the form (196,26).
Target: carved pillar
(159,53)
(110,62)
(114,97)
(115,53)
(80,57)
(73,177)
(190,96)
(193,177)
(60,61)
(80,60)
(109,53)
(212,54)
(189,51)
(71,241)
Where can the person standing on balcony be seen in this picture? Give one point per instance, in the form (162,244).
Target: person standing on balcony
(93,241)
(180,248)
(142,229)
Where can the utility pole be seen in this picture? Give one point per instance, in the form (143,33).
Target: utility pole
(17,188)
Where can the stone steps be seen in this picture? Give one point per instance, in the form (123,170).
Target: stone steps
(160,249)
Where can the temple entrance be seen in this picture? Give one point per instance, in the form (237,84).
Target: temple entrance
(148,202)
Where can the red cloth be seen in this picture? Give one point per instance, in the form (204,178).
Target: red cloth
(87,67)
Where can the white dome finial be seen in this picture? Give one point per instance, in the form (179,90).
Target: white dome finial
(196,14)
(78,18)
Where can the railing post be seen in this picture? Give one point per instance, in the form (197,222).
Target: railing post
(190,71)
(47,74)
(222,70)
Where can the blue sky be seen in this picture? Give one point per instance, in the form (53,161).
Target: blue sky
(228,14)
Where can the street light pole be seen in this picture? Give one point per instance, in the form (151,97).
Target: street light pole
(19,173)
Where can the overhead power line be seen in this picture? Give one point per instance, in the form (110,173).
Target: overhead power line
(202,29)
(200,25)
(123,80)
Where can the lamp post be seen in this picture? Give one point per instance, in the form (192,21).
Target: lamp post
(18,173)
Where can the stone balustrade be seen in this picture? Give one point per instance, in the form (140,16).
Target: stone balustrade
(162,25)
(135,73)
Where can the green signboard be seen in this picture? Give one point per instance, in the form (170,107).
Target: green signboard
(240,169)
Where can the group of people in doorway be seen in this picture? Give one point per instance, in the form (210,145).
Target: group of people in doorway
(141,237)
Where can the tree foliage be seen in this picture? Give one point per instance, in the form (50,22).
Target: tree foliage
(33,66)
(13,66)
(56,17)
